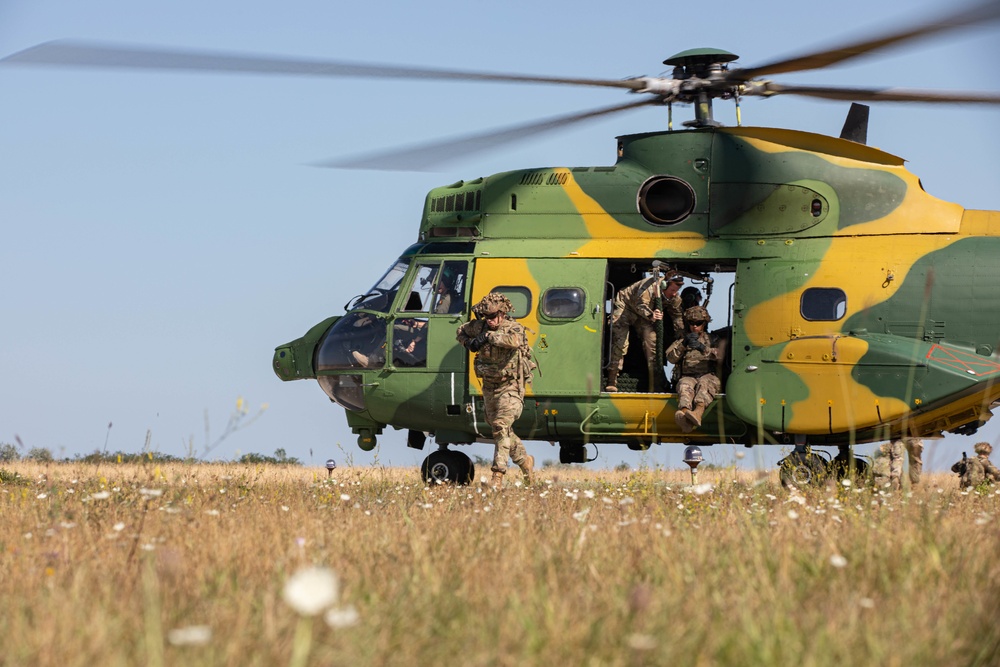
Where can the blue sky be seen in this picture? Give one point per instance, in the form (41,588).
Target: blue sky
(162,232)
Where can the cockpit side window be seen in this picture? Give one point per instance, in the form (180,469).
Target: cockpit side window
(422,288)
(381,296)
(449,294)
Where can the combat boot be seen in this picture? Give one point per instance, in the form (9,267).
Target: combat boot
(612,385)
(497,482)
(681,417)
(694,415)
(528,468)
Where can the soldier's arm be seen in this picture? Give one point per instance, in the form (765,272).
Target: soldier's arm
(511,337)
(467,332)
(991,471)
(676,351)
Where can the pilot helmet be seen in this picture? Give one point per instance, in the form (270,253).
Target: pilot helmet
(491,304)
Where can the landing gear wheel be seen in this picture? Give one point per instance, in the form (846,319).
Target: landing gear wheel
(447,467)
(802,469)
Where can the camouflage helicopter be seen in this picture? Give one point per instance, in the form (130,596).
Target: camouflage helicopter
(858,307)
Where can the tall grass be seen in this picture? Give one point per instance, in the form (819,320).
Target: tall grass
(104,566)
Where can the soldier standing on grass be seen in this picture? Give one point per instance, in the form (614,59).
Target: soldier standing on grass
(889,465)
(503,363)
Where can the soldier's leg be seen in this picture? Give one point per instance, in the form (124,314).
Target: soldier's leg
(621,322)
(915,452)
(705,389)
(507,406)
(647,334)
(895,464)
(685,392)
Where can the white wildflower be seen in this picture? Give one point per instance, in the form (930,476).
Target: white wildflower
(342,617)
(192,635)
(151,493)
(101,495)
(118,527)
(838,561)
(312,590)
(792,514)
(867,603)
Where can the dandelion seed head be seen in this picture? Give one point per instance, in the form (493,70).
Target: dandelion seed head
(312,590)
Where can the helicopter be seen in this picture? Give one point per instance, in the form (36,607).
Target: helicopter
(859,307)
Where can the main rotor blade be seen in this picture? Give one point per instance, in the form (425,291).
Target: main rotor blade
(422,157)
(976,14)
(883,94)
(66,53)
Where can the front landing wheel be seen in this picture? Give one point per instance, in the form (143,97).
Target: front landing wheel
(447,467)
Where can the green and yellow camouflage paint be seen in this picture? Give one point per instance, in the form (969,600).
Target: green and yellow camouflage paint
(862,307)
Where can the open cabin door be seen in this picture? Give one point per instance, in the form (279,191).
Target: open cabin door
(561,304)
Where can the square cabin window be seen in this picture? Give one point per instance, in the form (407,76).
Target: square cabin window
(520,298)
(823,304)
(563,303)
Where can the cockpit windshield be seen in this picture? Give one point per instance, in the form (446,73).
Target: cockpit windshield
(379,298)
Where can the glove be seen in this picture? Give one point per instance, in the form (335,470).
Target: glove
(692,342)
(477,343)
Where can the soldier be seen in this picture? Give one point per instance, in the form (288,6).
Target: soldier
(633,309)
(697,356)
(893,453)
(973,472)
(690,297)
(503,363)
(915,453)
(880,466)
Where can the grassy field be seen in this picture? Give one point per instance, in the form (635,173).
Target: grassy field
(189,564)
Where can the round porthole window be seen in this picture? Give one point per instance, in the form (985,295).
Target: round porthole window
(665,200)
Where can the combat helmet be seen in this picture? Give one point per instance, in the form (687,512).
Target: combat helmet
(983,448)
(697,314)
(493,303)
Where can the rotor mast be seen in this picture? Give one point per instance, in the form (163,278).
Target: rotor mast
(695,68)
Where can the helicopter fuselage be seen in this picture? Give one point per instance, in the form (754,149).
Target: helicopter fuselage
(859,307)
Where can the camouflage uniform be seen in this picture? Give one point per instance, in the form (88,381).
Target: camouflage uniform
(880,466)
(915,452)
(633,309)
(699,381)
(973,472)
(893,451)
(504,365)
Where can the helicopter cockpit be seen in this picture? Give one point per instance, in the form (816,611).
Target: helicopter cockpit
(390,323)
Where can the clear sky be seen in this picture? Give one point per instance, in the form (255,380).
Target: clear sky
(162,232)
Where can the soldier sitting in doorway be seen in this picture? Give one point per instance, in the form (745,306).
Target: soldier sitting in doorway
(697,355)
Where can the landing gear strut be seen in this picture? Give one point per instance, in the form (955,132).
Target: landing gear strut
(445,466)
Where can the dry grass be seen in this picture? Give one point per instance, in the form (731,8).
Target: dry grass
(584,569)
